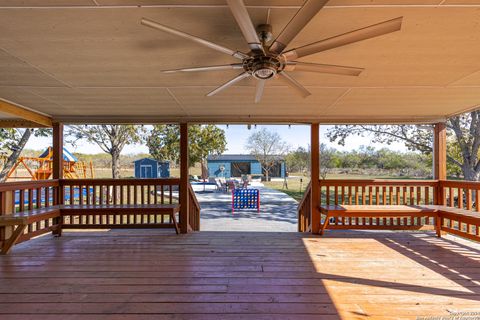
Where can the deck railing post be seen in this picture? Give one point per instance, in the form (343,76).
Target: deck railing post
(57,169)
(183,198)
(7,207)
(315,218)
(440,160)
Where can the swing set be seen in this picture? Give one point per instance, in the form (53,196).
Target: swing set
(41,167)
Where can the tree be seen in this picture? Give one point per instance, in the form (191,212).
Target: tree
(14,140)
(463,136)
(326,160)
(207,140)
(267,147)
(164,143)
(298,160)
(110,138)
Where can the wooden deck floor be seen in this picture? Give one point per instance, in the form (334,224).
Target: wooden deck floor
(236,275)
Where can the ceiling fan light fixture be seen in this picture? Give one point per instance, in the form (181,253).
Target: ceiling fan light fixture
(264,73)
(262,67)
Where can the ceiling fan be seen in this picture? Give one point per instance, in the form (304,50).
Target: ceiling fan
(268,59)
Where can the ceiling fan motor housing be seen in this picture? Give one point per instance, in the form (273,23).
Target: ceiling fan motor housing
(263,67)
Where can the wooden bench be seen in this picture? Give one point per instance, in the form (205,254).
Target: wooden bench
(376,211)
(21,220)
(452,219)
(122,209)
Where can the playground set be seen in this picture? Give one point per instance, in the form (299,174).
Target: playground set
(41,167)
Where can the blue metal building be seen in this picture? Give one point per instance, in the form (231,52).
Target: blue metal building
(151,168)
(236,165)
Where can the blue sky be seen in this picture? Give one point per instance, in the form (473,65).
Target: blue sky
(295,136)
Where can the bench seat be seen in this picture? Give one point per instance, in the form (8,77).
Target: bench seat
(20,220)
(376,211)
(452,211)
(453,218)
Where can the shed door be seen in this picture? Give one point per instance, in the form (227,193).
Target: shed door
(146,171)
(240,168)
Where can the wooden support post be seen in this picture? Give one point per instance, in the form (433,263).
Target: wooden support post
(315,175)
(57,151)
(440,159)
(184,165)
(57,171)
(7,207)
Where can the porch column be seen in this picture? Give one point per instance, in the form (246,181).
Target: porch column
(184,223)
(315,175)
(440,158)
(57,168)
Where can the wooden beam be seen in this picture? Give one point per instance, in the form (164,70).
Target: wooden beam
(184,165)
(21,112)
(19,124)
(315,175)
(270,119)
(57,150)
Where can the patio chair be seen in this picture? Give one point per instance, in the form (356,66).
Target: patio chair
(220,185)
(231,185)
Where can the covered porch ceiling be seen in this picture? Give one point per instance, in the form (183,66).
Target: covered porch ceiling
(91,61)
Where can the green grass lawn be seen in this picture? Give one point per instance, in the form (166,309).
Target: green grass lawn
(296,188)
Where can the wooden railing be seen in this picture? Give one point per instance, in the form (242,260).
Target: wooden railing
(118,192)
(371,192)
(29,195)
(463,197)
(193,210)
(303,209)
(460,194)
(378,192)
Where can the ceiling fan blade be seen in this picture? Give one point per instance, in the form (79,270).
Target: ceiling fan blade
(295,84)
(259,90)
(211,45)
(240,14)
(229,83)
(207,68)
(322,68)
(346,38)
(309,9)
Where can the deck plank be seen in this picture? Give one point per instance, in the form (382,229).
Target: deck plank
(149,274)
